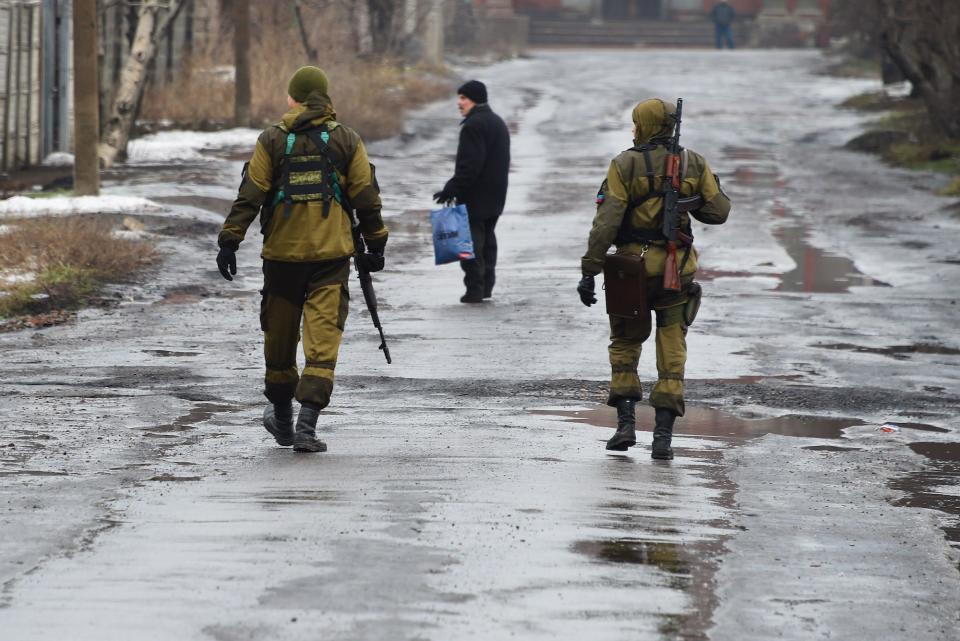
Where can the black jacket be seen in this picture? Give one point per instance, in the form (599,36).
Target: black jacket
(723,15)
(483,162)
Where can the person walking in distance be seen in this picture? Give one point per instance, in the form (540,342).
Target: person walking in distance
(307,175)
(723,15)
(630,214)
(480,182)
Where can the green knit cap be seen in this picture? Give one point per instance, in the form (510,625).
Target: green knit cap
(305,81)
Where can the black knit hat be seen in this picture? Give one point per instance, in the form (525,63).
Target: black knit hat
(474,90)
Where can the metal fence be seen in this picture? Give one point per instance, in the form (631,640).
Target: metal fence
(36,67)
(20,87)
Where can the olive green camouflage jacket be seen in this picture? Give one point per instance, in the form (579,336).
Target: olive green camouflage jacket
(301,232)
(626,192)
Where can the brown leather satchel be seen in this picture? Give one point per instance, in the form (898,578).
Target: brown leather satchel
(625,285)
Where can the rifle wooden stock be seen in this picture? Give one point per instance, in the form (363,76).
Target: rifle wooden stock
(671,274)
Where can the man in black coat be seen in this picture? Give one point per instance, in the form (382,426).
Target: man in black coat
(480,182)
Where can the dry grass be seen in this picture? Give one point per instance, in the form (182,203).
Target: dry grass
(369,96)
(70,259)
(926,148)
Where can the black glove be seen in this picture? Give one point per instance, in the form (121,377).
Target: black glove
(227,262)
(372,260)
(586,289)
(443,197)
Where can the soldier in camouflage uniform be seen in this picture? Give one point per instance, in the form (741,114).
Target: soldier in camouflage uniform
(630,215)
(308,172)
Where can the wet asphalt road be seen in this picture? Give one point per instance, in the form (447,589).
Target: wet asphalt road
(466,493)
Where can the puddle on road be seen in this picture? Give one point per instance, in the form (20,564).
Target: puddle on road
(935,487)
(208,203)
(899,352)
(831,448)
(704,421)
(33,473)
(165,352)
(660,554)
(198,414)
(170,478)
(734,152)
(278,498)
(816,270)
(758,177)
(184,294)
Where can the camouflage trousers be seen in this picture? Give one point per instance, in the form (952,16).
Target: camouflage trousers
(315,296)
(627,336)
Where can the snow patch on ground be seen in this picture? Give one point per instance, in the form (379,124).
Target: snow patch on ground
(12,277)
(23,207)
(169,146)
(59,159)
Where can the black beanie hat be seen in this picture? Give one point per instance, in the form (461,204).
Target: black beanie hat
(474,90)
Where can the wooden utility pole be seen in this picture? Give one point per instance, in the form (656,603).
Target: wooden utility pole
(241,54)
(86,100)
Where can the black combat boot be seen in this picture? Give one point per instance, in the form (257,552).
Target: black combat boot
(305,439)
(662,433)
(278,419)
(626,435)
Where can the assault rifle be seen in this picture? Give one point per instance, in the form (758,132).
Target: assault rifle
(366,284)
(671,208)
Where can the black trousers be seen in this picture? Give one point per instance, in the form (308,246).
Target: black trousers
(479,274)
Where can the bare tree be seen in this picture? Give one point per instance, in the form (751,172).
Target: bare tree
(919,40)
(380,28)
(241,63)
(922,37)
(154,18)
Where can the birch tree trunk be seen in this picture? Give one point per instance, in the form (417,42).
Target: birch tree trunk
(133,78)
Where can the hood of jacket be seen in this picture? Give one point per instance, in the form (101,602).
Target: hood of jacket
(653,119)
(315,110)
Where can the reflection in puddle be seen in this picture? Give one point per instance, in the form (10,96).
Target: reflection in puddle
(935,487)
(279,498)
(756,177)
(703,421)
(816,270)
(899,352)
(663,555)
(734,152)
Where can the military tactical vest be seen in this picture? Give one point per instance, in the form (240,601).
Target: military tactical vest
(310,177)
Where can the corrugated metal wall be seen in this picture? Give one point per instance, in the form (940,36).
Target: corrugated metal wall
(36,76)
(20,87)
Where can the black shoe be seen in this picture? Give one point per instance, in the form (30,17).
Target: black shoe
(488,293)
(626,436)
(662,434)
(305,439)
(278,419)
(471,298)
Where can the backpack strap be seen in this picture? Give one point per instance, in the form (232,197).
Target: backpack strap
(282,193)
(330,183)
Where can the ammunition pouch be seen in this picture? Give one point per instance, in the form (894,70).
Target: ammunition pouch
(625,286)
(692,306)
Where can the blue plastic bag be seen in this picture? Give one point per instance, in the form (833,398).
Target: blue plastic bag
(451,234)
